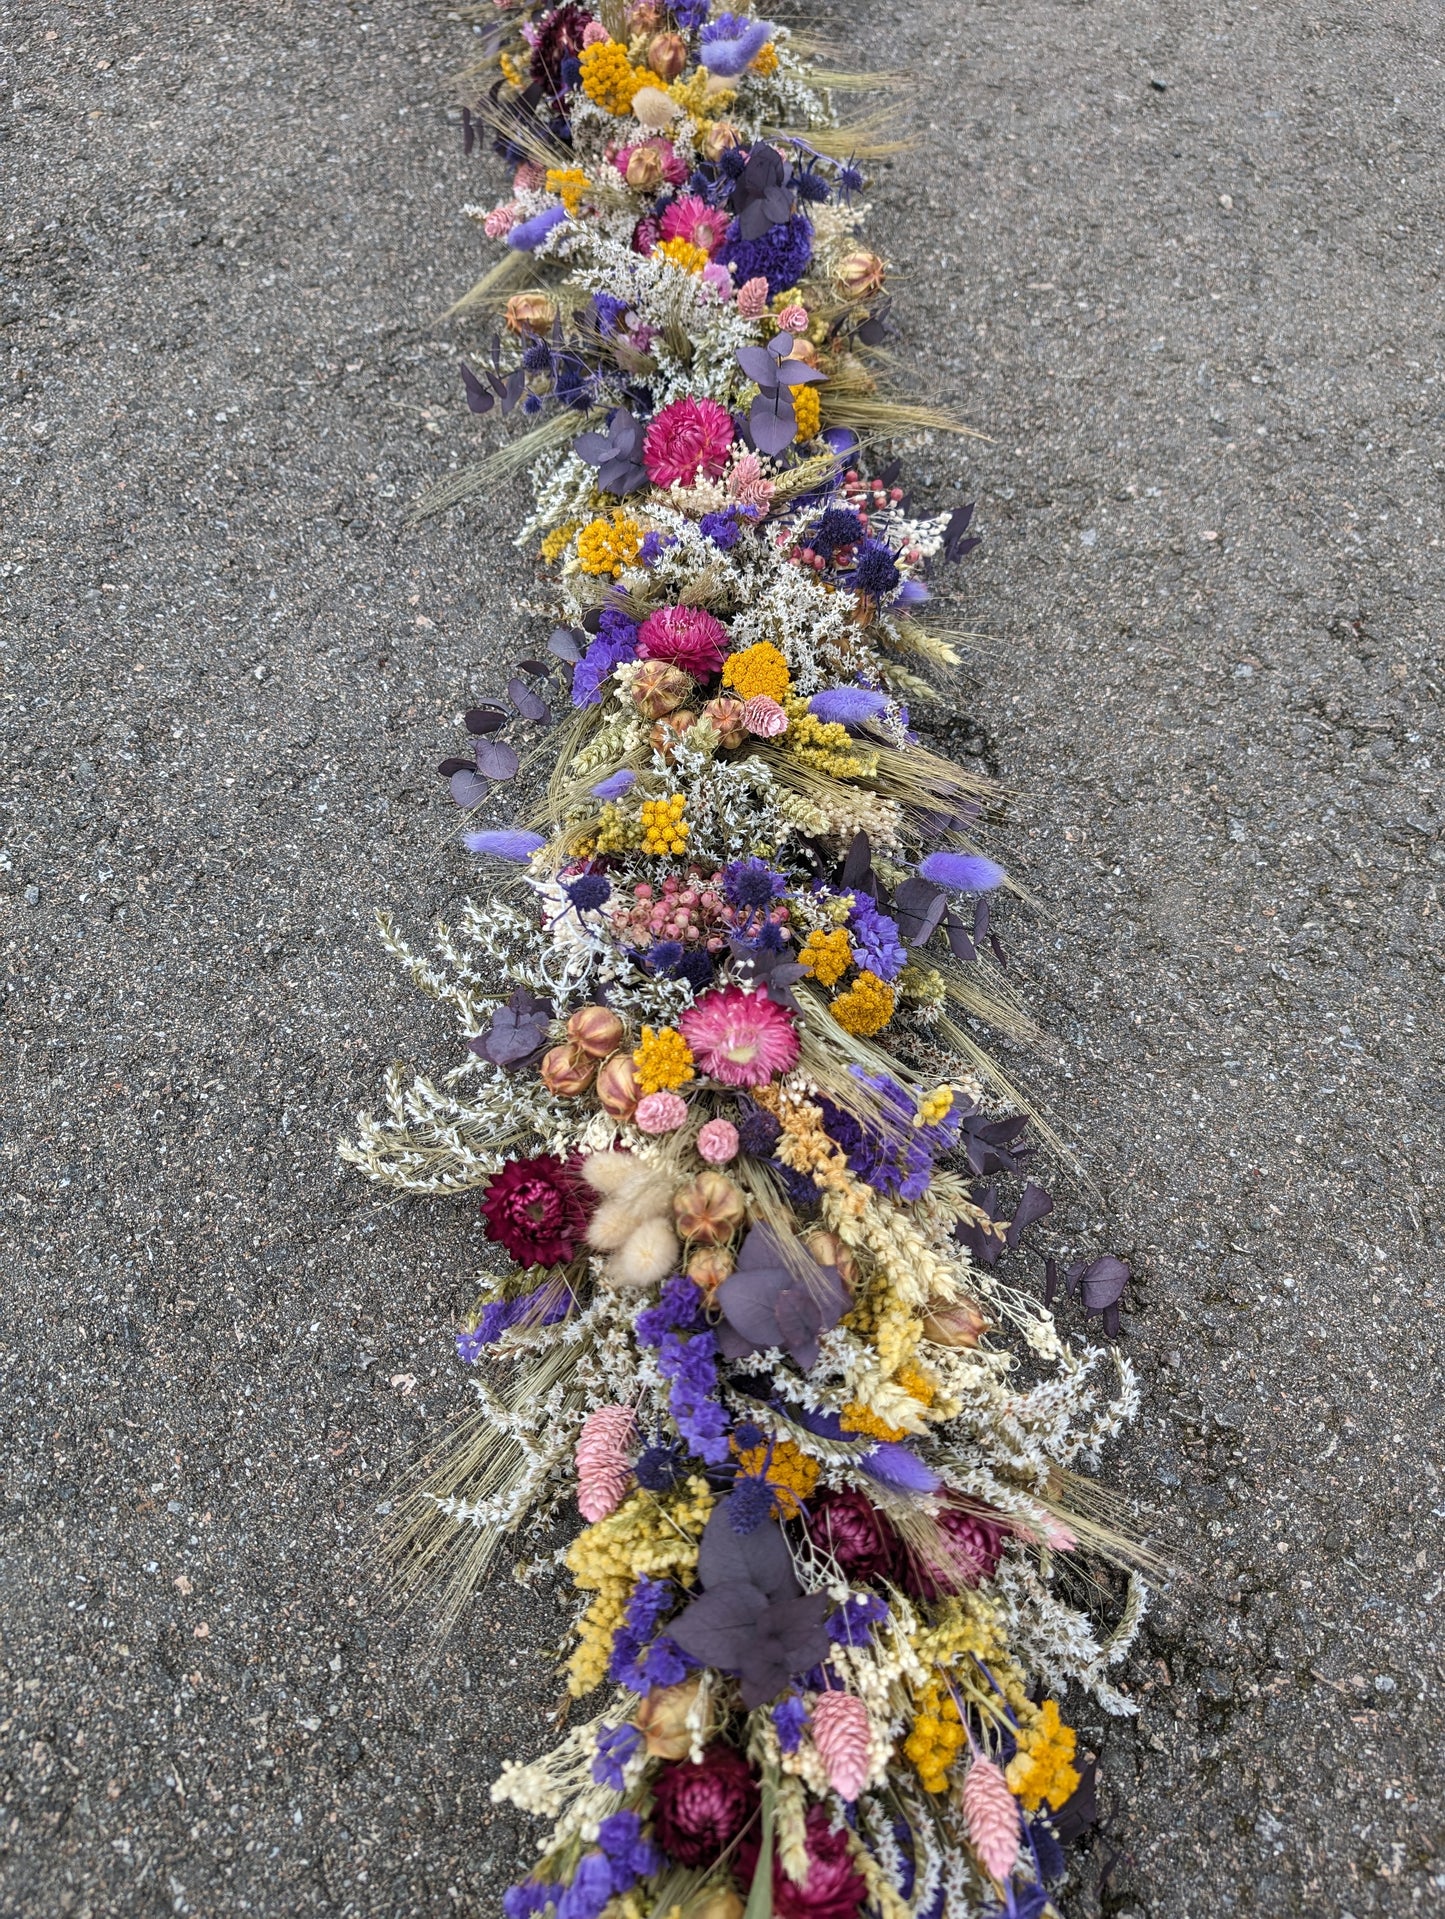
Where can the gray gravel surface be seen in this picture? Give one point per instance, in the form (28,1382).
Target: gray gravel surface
(1183,264)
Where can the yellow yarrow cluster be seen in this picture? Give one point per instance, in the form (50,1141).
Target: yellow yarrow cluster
(790,1473)
(647,1535)
(682,253)
(765,60)
(606,546)
(826,745)
(554,544)
(569,184)
(866,1007)
(511,72)
(663,1060)
(1043,1770)
(758,671)
(808,411)
(664,830)
(858,1418)
(934,1107)
(616,833)
(936,1736)
(827,956)
(609,78)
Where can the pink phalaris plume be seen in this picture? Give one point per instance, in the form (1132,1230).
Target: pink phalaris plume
(753,297)
(528,177)
(604,1470)
(992,1815)
(500,221)
(840,1732)
(747,483)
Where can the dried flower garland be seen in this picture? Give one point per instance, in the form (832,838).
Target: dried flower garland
(722,1097)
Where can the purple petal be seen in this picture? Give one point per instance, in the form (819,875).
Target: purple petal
(962,872)
(505,843)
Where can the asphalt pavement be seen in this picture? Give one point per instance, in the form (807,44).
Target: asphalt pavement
(1182,264)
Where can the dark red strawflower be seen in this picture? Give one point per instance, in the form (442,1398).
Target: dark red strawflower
(834,1887)
(698,1810)
(537,1209)
(847,1525)
(559,37)
(969,1551)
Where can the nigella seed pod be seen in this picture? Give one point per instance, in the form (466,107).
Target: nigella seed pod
(667,55)
(662,1718)
(567,1072)
(829,1250)
(708,1267)
(618,1087)
(959,1325)
(659,688)
(858,273)
(726,715)
(530,313)
(710,1210)
(644,169)
(719,139)
(667,732)
(595,1031)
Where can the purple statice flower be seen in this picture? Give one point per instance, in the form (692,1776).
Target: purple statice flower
(876,941)
(790,1716)
(615,1746)
(679,1309)
(758,1132)
(632,1854)
(731,43)
(525,1900)
(723,528)
(615,642)
(781,255)
(691,13)
(544,1307)
(591,1888)
(643,1657)
(800,1189)
(852,1623)
(611,313)
(690,1367)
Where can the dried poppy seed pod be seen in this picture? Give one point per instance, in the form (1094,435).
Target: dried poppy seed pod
(659,688)
(667,732)
(662,1719)
(858,273)
(958,1325)
(566,1072)
(719,139)
(710,1210)
(595,1031)
(708,1267)
(667,55)
(726,715)
(618,1087)
(530,313)
(644,169)
(829,1250)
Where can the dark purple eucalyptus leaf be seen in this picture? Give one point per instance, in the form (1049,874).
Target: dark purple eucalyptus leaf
(1081,1809)
(539,669)
(478,398)
(1034,1204)
(778,1298)
(760,1557)
(1051,1281)
(448,767)
(516,386)
(798,373)
(985,1244)
(956,933)
(497,760)
(1101,1283)
(758,364)
(530,705)
(468,788)
(873,333)
(564,642)
(857,864)
(772,422)
(955,546)
(980,919)
(919,906)
(777,973)
(485,719)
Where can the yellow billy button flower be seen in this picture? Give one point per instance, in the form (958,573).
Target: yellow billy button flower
(866,1007)
(827,956)
(937,1734)
(790,1474)
(757,670)
(682,253)
(765,60)
(664,830)
(663,1060)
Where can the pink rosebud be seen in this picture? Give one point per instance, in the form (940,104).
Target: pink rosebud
(661,1113)
(594,32)
(718,1142)
(753,297)
(764,717)
(793,319)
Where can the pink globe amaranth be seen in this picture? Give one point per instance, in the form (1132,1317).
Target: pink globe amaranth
(834,1887)
(660,1113)
(740,1038)
(717,1143)
(685,636)
(699,1810)
(696,222)
(687,440)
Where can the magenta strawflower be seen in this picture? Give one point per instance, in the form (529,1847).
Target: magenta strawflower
(741,1038)
(684,636)
(696,222)
(687,440)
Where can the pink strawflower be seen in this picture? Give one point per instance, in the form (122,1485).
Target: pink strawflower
(753,297)
(696,222)
(660,1113)
(500,221)
(684,636)
(764,717)
(688,438)
(747,484)
(741,1038)
(718,1142)
(793,319)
